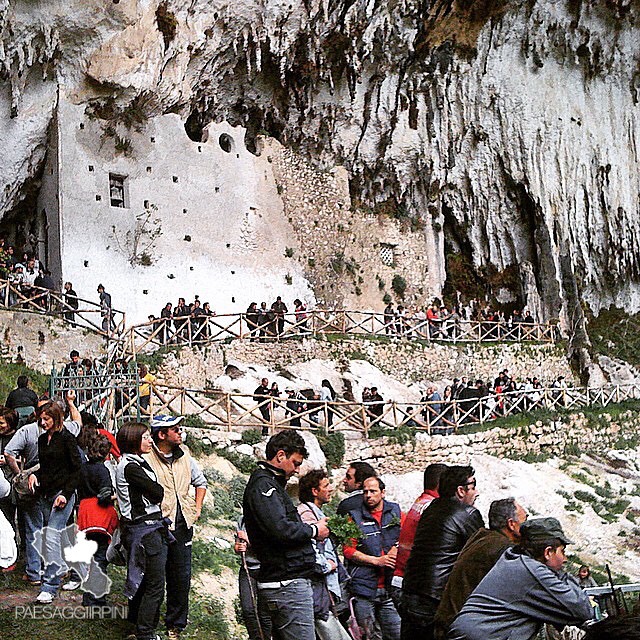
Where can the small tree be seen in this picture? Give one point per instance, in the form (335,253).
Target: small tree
(140,243)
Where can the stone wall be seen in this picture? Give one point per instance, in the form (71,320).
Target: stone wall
(567,435)
(350,253)
(407,362)
(39,340)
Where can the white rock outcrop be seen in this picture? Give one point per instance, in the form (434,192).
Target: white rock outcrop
(510,129)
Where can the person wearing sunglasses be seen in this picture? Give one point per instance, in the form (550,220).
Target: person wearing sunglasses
(444,528)
(177,472)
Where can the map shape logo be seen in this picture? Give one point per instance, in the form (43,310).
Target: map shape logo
(70,549)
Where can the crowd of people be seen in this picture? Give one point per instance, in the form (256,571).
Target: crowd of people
(437,321)
(62,467)
(187,322)
(33,287)
(436,572)
(441,410)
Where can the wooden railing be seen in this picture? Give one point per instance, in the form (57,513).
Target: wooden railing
(200,330)
(88,315)
(230,411)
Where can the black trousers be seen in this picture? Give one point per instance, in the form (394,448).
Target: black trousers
(179,576)
(417,615)
(144,607)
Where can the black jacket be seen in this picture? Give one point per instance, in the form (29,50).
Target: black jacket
(278,537)
(60,464)
(444,528)
(22,397)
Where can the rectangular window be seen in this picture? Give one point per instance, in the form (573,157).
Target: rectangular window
(387,254)
(118,191)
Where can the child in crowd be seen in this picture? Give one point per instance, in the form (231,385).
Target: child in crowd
(97,516)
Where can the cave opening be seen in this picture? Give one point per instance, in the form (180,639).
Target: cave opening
(195,126)
(25,225)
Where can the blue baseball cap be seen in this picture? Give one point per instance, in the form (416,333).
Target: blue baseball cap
(164,421)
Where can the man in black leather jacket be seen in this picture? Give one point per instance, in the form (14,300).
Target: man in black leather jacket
(281,541)
(444,528)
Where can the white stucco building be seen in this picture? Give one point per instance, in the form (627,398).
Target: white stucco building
(213,207)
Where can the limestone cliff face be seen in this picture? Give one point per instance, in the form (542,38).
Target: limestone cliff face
(511,128)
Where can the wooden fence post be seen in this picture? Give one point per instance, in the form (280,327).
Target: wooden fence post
(456,414)
(365,424)
(272,427)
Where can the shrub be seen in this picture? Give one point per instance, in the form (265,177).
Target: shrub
(123,145)
(244,464)
(167,23)
(208,557)
(198,446)
(332,445)
(399,286)
(251,436)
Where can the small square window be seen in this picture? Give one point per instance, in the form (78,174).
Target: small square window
(118,191)
(148,169)
(90,167)
(98,198)
(175,178)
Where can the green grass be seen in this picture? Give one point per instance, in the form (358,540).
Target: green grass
(516,421)
(57,629)
(400,435)
(9,373)
(208,557)
(207,619)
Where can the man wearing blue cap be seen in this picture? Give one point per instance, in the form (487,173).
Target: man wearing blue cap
(525,589)
(177,471)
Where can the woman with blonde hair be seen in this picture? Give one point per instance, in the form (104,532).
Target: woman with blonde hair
(56,481)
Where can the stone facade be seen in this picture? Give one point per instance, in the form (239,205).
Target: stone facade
(170,217)
(560,437)
(40,340)
(350,253)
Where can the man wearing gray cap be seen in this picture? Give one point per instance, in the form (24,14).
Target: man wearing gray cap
(525,589)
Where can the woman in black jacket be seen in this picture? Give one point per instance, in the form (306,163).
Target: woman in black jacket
(56,481)
(145,533)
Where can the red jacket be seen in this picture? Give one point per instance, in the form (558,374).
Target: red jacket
(408,532)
